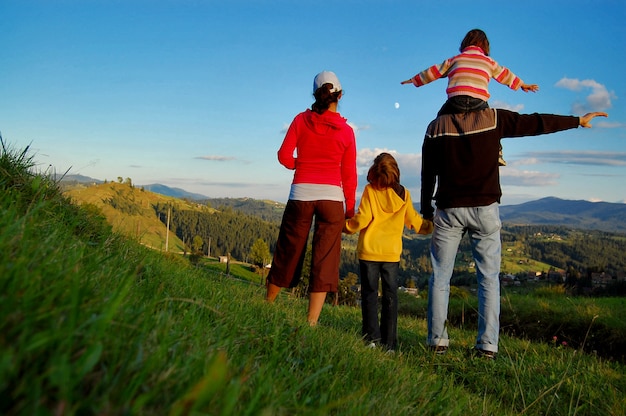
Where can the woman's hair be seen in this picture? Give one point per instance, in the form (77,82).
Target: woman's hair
(476,37)
(324,98)
(384,173)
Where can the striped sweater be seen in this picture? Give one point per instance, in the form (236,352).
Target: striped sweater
(469,73)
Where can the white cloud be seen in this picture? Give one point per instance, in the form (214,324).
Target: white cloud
(407,162)
(216,158)
(410,165)
(587,157)
(598,100)
(515,177)
(524,162)
(357,129)
(609,125)
(506,106)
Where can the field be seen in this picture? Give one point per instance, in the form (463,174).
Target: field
(514,260)
(96,323)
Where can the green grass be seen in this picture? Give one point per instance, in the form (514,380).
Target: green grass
(240,270)
(516,261)
(93,323)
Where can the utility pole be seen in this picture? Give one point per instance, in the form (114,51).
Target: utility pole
(167,232)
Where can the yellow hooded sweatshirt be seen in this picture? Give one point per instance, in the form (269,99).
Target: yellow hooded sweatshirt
(381,218)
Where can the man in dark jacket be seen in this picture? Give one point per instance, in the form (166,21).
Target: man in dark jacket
(460,156)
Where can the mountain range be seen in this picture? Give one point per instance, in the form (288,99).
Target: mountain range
(577,214)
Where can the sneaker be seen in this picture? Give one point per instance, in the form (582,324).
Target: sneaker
(371,345)
(438,349)
(490,355)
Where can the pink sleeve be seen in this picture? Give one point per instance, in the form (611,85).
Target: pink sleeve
(432,74)
(504,76)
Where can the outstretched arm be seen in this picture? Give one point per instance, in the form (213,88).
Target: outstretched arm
(585,121)
(530,87)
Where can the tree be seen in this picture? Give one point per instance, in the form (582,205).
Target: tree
(260,253)
(197,244)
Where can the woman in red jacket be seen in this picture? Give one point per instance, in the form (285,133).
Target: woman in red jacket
(324,180)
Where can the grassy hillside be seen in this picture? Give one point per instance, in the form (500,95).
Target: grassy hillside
(515,260)
(94,323)
(130,210)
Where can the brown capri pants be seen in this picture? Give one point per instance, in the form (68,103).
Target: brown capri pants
(290,250)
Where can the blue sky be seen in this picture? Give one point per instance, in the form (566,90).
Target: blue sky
(198,94)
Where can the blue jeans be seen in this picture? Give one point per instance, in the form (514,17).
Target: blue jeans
(462,104)
(483,226)
(387,331)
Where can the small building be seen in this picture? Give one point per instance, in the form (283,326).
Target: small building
(508,280)
(413,291)
(601,279)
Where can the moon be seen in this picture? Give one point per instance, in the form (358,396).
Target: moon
(397,105)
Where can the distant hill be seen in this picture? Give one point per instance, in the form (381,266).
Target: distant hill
(271,211)
(157,188)
(142,214)
(579,214)
(131,211)
(576,214)
(69,180)
(232,225)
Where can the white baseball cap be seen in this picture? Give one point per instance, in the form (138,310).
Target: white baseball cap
(326,77)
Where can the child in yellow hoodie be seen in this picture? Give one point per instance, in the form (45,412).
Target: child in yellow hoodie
(385,209)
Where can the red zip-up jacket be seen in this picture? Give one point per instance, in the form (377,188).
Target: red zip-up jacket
(326,152)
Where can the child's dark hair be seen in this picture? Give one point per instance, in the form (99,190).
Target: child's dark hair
(384,173)
(324,98)
(475,37)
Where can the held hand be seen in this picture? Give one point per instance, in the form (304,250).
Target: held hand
(426,228)
(530,87)
(347,230)
(585,121)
